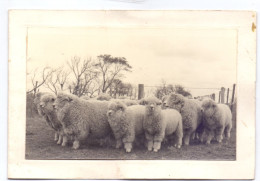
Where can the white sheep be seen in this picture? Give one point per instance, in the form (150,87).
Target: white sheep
(46,104)
(190,111)
(217,119)
(81,118)
(159,123)
(126,123)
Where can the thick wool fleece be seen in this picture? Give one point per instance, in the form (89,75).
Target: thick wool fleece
(190,111)
(81,118)
(46,104)
(127,102)
(126,122)
(37,101)
(159,123)
(217,119)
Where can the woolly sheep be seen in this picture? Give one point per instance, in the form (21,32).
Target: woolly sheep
(164,99)
(190,112)
(159,123)
(217,118)
(127,102)
(104,97)
(46,104)
(125,122)
(37,101)
(81,118)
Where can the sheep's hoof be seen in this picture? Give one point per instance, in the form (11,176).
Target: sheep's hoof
(64,144)
(59,142)
(155,150)
(208,143)
(128,150)
(178,146)
(75,145)
(149,149)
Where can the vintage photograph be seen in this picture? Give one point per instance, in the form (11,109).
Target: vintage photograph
(131,93)
(136,94)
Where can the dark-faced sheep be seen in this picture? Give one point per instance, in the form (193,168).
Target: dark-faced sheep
(81,118)
(159,123)
(126,123)
(46,104)
(190,111)
(217,119)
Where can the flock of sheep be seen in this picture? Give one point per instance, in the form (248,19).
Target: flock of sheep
(174,118)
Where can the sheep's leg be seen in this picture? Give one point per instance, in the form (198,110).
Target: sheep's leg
(76,144)
(65,140)
(186,137)
(219,134)
(157,142)
(60,139)
(227,132)
(118,143)
(56,136)
(128,147)
(210,135)
(149,139)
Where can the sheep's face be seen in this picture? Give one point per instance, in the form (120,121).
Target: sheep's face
(152,104)
(175,101)
(61,101)
(208,109)
(36,102)
(164,101)
(46,103)
(115,109)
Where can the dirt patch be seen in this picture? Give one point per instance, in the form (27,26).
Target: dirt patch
(40,145)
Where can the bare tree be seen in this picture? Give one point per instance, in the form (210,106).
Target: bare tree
(84,73)
(111,68)
(38,82)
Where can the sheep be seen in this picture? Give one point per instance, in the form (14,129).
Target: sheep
(37,100)
(127,102)
(190,111)
(46,104)
(81,118)
(164,98)
(104,97)
(126,123)
(217,118)
(159,123)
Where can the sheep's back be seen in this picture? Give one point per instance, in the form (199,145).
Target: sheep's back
(170,119)
(191,114)
(136,114)
(224,114)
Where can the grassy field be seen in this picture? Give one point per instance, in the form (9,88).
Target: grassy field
(40,146)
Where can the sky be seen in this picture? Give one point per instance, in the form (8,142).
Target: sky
(200,59)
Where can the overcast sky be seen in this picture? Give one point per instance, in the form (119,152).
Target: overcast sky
(194,58)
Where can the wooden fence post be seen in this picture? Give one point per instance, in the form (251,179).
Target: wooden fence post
(219,95)
(227,95)
(233,93)
(233,96)
(222,94)
(140,91)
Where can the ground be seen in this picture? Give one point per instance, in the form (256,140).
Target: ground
(40,145)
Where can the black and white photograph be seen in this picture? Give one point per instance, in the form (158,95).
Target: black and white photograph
(131,93)
(132,86)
